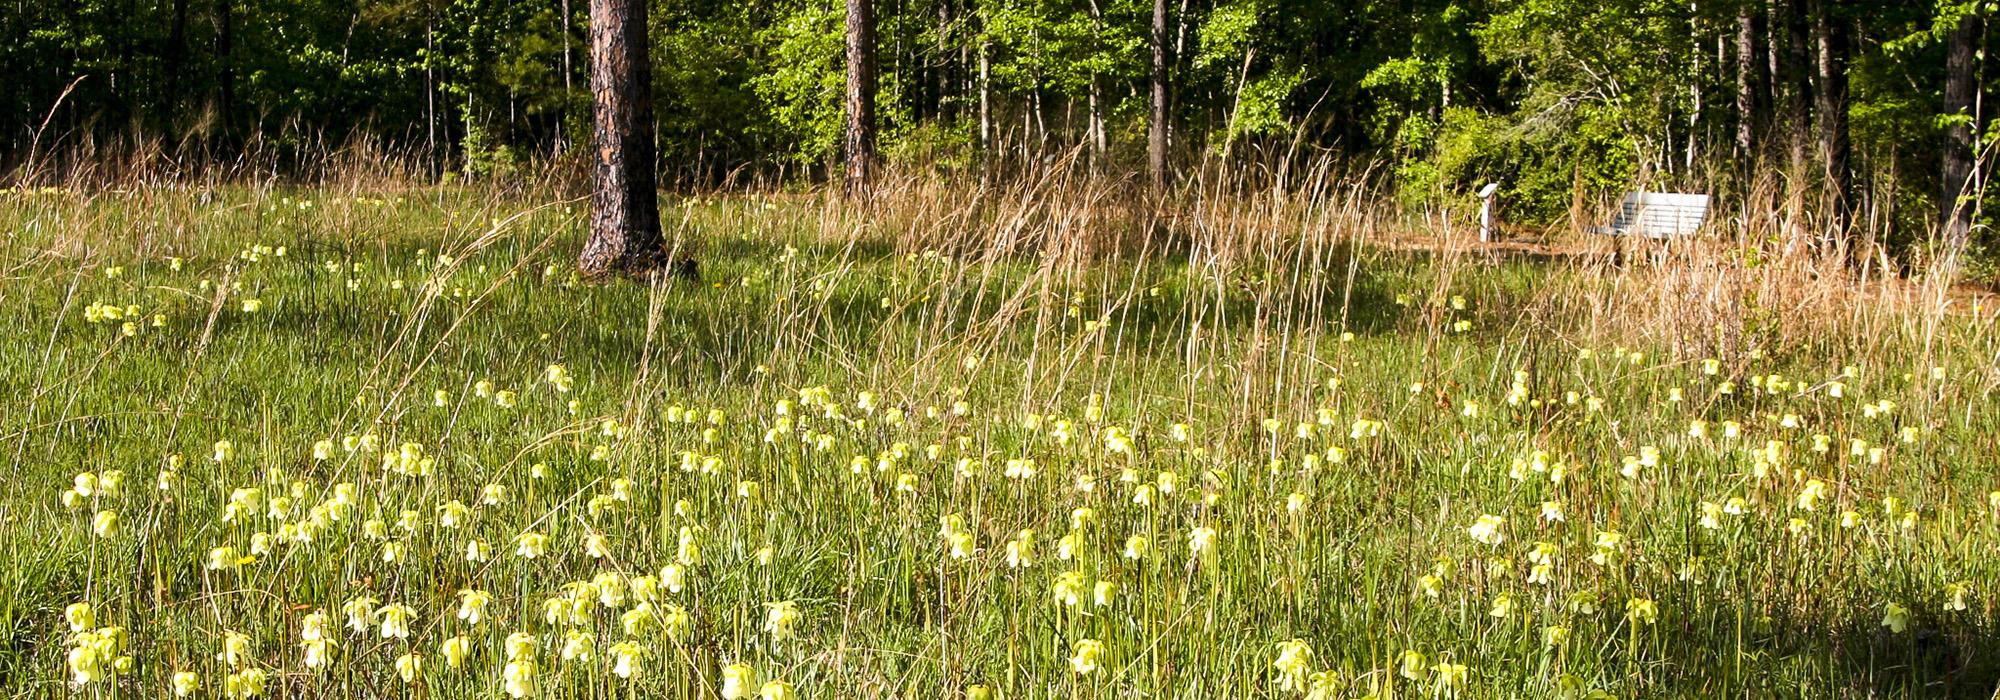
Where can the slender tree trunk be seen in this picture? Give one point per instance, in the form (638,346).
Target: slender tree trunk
(860,142)
(1156,129)
(175,59)
(1960,90)
(985,97)
(226,75)
(942,103)
(1098,142)
(1830,36)
(1789,23)
(569,85)
(1749,85)
(624,208)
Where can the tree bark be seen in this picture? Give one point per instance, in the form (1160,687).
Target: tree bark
(624,208)
(1095,131)
(1156,128)
(175,59)
(942,104)
(1960,92)
(225,23)
(1830,36)
(859,145)
(1791,85)
(1749,84)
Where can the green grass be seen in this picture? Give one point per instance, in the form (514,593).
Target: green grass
(684,392)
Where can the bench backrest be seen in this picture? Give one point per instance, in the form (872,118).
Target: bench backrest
(1660,214)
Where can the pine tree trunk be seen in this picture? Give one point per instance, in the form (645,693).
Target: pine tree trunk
(1960,91)
(946,70)
(1749,84)
(225,24)
(1095,131)
(1156,129)
(175,59)
(1830,37)
(625,208)
(860,142)
(1788,23)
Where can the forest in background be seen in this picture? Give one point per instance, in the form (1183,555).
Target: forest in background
(1871,111)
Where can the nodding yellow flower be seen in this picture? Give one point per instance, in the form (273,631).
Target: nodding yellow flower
(80,617)
(1810,496)
(1431,585)
(360,614)
(577,645)
(185,683)
(1895,617)
(1552,511)
(1021,550)
(689,551)
(739,681)
(1084,656)
(776,690)
(1642,611)
(518,678)
(1103,592)
(1503,605)
(1555,636)
(1201,541)
(1143,495)
(1069,588)
(558,376)
(625,658)
(1488,530)
(453,514)
(529,545)
(472,605)
(1067,545)
(105,525)
(1136,547)
(235,648)
(1711,515)
(1450,677)
(315,652)
(224,559)
(1294,659)
(456,649)
(477,551)
(1410,665)
(313,626)
(1850,519)
(396,620)
(409,667)
(596,546)
(635,621)
(1955,594)
(247,683)
(675,621)
(520,646)
(779,619)
(674,576)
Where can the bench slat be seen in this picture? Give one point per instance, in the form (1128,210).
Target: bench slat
(1659,214)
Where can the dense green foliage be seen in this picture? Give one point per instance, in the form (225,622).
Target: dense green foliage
(1553,98)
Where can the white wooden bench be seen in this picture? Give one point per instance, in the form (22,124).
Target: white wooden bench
(1659,215)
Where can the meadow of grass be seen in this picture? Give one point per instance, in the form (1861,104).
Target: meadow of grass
(381,442)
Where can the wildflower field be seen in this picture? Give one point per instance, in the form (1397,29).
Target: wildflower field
(333,444)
